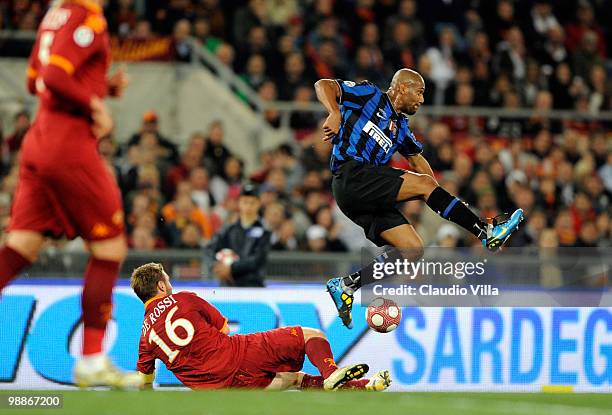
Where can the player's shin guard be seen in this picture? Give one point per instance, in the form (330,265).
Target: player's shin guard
(319,353)
(11,264)
(97,303)
(453,209)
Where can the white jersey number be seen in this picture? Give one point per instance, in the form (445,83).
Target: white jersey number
(171,327)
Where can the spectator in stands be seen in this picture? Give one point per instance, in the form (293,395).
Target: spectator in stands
(190,237)
(255,74)
(190,159)
(294,76)
(325,219)
(150,124)
(182,42)
(401,50)
(122,19)
(273,218)
(600,96)
(586,56)
(306,121)
(561,87)
(216,152)
(287,240)
(257,43)
(443,60)
(252,15)
(406,12)
(178,214)
(585,23)
(267,92)
(511,56)
(229,181)
(142,240)
(316,238)
(248,238)
(542,22)
(202,35)
(447,236)
(503,20)
(226,54)
(142,31)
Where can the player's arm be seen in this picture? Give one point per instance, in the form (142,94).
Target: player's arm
(118,82)
(71,47)
(328,93)
(146,364)
(32,70)
(420,165)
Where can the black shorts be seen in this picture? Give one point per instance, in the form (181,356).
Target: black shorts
(367,195)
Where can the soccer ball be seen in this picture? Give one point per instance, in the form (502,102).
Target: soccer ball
(226,256)
(383,315)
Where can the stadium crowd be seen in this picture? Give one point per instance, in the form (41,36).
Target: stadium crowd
(505,54)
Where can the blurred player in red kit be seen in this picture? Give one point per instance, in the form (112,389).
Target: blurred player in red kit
(64,186)
(192,338)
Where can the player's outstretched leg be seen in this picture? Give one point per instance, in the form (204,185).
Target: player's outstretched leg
(453,209)
(319,352)
(95,368)
(379,382)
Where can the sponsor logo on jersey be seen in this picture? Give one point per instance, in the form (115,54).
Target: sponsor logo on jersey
(377,134)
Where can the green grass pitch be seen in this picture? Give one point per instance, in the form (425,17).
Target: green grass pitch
(345,403)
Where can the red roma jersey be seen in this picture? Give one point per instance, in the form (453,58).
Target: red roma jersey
(184,332)
(73,37)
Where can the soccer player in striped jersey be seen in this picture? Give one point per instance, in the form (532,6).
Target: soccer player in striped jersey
(367,126)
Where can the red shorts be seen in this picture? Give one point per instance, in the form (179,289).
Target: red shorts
(80,199)
(268,353)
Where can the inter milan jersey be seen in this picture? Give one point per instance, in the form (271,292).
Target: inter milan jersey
(370,130)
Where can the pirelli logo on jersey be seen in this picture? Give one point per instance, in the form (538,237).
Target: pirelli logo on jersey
(377,134)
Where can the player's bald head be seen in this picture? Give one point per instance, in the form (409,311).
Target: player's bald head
(407,90)
(407,77)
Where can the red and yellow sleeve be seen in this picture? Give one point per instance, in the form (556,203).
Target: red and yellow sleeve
(146,360)
(73,44)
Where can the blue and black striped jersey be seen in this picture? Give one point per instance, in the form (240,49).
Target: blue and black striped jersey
(370,130)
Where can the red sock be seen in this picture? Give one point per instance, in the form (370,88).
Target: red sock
(320,354)
(355,384)
(97,302)
(11,264)
(312,382)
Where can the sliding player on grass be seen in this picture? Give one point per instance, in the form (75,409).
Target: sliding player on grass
(367,126)
(192,338)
